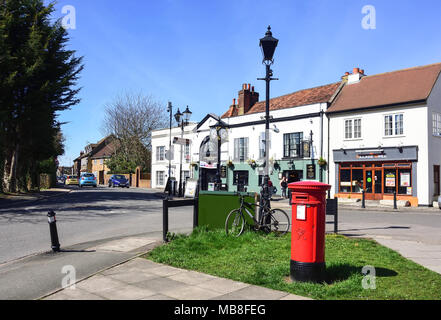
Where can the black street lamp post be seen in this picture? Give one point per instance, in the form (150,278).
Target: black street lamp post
(182,120)
(170,110)
(218,131)
(268,45)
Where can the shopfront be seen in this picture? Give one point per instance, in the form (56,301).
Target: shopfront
(380,172)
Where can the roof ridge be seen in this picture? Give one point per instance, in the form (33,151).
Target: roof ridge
(402,70)
(288,94)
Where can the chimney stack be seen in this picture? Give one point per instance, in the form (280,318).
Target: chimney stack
(356,76)
(247,98)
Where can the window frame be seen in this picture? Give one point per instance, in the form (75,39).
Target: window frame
(353,128)
(158,183)
(289,146)
(390,128)
(436,124)
(160,153)
(241,149)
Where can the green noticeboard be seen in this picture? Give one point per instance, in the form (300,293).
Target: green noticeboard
(214,207)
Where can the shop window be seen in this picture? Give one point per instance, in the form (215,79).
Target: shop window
(240,178)
(345,180)
(357,180)
(390,180)
(404,181)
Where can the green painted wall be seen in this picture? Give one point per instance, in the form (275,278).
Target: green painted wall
(253,173)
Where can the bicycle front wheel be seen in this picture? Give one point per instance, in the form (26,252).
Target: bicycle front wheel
(280,222)
(235,223)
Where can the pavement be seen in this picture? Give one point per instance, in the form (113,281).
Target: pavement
(142,279)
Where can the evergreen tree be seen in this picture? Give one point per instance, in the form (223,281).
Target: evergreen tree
(37,79)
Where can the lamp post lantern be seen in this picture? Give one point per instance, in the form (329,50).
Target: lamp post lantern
(268,46)
(182,120)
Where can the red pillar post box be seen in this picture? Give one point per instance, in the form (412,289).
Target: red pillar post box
(308,200)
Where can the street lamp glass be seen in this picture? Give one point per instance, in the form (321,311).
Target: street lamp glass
(178,116)
(268,45)
(187,114)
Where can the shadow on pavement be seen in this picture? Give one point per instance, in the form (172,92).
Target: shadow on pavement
(376,228)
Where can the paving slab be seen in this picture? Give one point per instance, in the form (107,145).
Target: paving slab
(127,292)
(192,278)
(254,293)
(161,285)
(223,286)
(190,292)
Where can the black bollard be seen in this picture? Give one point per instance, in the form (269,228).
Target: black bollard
(363,203)
(55,244)
(395,200)
(165,220)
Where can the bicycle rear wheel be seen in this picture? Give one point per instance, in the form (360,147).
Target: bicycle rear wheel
(235,223)
(280,222)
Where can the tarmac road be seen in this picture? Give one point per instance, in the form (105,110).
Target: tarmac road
(85,215)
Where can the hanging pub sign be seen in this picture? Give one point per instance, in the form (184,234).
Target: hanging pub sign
(310,171)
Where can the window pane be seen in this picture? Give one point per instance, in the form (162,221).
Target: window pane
(388,125)
(404,180)
(348,129)
(240,177)
(390,180)
(357,128)
(357,180)
(345,180)
(398,124)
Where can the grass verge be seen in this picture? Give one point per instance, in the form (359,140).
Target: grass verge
(264,260)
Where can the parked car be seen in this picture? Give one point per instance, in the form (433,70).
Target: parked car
(118,180)
(88,179)
(71,180)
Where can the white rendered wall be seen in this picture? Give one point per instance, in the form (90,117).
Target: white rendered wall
(433,105)
(372,136)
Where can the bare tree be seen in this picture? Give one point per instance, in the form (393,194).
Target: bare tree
(131,118)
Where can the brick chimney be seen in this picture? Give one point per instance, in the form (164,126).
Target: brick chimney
(247,98)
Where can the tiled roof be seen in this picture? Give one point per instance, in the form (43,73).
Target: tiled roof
(295,99)
(106,151)
(391,88)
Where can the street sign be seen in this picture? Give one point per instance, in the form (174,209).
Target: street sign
(190,188)
(181,141)
(169,154)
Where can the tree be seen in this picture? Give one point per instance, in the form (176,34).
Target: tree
(131,118)
(37,79)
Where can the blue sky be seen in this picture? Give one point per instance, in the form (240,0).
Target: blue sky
(199,53)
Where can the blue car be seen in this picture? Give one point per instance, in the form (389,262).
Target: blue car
(118,180)
(88,179)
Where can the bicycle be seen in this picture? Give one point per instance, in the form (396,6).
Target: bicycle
(275,220)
